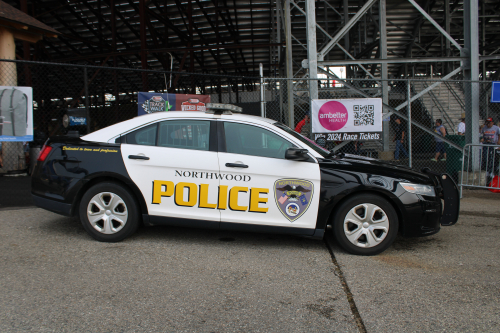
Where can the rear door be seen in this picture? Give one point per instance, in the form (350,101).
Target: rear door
(175,165)
(262,187)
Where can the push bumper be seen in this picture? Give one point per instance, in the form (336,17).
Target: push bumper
(448,191)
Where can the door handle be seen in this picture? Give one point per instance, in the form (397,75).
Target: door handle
(236,165)
(138,157)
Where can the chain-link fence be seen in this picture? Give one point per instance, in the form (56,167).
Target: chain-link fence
(418,140)
(109,94)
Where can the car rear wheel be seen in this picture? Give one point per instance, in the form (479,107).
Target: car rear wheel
(365,224)
(109,212)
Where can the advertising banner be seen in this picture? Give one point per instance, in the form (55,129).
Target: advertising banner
(157,102)
(16,113)
(347,119)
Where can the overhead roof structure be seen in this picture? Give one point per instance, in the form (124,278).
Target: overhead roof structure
(234,36)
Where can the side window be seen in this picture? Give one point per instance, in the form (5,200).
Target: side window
(255,141)
(185,134)
(144,136)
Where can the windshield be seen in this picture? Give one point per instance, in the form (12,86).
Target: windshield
(310,143)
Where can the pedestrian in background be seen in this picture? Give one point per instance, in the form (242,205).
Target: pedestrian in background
(399,137)
(440,130)
(461,125)
(304,126)
(490,135)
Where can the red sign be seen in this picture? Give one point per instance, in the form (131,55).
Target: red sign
(192,102)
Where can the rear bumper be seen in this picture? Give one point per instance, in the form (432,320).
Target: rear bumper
(52,205)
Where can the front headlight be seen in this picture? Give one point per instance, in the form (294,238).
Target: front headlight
(419,189)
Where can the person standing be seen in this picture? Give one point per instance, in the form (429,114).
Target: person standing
(399,137)
(440,130)
(461,125)
(490,136)
(304,126)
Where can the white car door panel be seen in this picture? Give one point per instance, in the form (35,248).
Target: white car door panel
(266,190)
(176,182)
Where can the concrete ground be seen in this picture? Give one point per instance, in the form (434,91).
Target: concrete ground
(54,277)
(448,282)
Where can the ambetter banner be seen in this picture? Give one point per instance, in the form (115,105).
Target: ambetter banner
(347,119)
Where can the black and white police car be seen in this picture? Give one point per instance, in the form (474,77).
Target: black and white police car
(230,171)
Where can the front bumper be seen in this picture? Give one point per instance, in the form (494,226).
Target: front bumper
(447,190)
(423,215)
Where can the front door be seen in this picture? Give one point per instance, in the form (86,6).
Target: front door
(262,187)
(174,163)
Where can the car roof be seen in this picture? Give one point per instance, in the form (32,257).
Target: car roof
(107,133)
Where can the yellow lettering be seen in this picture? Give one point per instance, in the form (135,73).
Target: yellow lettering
(255,199)
(192,194)
(222,202)
(204,197)
(233,198)
(157,190)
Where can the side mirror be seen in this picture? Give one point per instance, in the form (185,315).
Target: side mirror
(296,154)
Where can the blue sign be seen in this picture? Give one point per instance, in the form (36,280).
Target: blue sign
(75,121)
(154,102)
(495,92)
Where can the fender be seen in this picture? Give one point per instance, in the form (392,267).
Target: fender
(336,185)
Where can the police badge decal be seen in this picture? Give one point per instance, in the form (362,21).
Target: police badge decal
(293,197)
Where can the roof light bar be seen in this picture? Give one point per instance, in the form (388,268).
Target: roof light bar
(222,108)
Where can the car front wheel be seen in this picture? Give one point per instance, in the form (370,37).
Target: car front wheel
(108,212)
(365,224)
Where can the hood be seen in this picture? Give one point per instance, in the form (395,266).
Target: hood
(376,167)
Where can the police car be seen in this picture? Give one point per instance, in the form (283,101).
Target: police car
(223,170)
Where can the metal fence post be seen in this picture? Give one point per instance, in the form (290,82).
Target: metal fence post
(86,85)
(262,93)
(409,122)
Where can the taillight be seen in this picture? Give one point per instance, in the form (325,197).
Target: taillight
(44,153)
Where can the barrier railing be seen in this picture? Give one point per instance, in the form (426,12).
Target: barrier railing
(480,165)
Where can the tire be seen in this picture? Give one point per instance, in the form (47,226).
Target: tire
(357,232)
(116,223)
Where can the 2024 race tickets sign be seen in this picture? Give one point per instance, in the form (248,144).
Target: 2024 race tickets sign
(347,119)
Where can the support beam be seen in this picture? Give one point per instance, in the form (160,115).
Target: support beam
(389,61)
(289,63)
(305,61)
(429,88)
(346,28)
(471,70)
(434,23)
(312,55)
(383,69)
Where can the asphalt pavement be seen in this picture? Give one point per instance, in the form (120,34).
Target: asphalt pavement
(54,277)
(448,282)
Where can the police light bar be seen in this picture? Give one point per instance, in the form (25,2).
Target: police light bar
(221,108)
